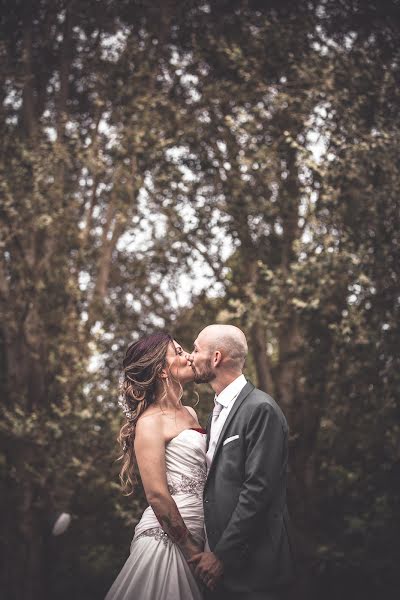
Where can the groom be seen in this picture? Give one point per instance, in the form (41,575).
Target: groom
(247,552)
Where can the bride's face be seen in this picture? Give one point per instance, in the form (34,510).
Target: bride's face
(178,364)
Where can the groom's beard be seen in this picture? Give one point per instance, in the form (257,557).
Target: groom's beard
(206,375)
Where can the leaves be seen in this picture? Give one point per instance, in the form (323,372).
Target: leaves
(166,168)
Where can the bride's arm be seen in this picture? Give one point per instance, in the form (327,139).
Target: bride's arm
(150,456)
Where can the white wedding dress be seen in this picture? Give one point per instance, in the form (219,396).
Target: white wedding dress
(156,568)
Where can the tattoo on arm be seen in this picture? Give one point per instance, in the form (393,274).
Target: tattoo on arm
(175,528)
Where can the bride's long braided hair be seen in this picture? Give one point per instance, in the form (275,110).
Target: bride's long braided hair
(142,365)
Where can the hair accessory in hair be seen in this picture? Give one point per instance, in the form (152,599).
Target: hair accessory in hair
(128,412)
(126,409)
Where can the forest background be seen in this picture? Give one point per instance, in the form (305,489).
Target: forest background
(169,165)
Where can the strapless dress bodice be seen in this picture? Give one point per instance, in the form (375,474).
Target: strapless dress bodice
(185,459)
(186,470)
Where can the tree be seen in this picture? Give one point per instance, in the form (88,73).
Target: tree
(254,143)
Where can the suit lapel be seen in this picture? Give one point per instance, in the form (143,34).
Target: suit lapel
(208,429)
(243,394)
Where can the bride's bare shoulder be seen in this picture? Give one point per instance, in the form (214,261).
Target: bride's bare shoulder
(150,422)
(191,410)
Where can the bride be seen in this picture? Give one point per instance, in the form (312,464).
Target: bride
(166,440)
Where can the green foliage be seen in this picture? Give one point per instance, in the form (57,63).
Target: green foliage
(169,168)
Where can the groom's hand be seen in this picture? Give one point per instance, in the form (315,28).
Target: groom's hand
(207,567)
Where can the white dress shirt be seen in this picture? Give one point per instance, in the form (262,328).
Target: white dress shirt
(227,399)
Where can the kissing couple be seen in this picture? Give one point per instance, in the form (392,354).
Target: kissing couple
(217,523)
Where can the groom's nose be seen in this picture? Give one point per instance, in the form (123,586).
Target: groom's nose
(188,357)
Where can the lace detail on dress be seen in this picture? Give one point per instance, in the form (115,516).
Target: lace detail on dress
(190,485)
(157,533)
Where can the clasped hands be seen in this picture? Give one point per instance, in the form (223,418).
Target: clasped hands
(207,567)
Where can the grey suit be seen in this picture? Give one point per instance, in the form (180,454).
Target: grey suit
(245,508)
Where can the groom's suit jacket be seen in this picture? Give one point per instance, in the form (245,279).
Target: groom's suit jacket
(245,508)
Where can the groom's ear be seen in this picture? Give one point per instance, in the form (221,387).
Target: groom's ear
(217,358)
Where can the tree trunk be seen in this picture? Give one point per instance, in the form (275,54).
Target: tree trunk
(32,583)
(260,356)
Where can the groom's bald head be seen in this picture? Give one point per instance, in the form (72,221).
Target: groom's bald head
(229,340)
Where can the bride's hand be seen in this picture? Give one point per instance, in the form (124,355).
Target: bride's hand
(208,568)
(189,546)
